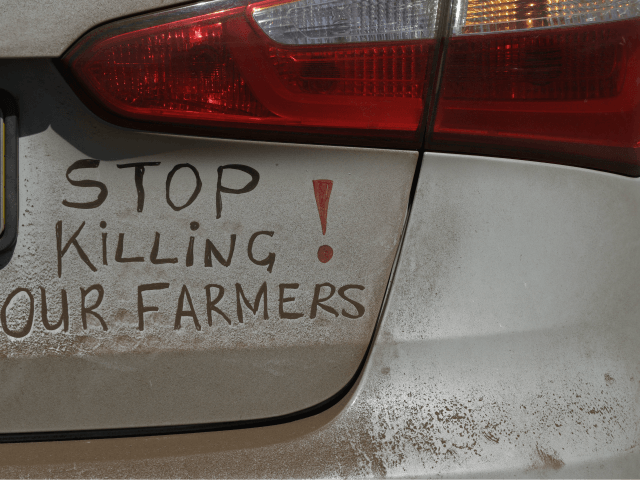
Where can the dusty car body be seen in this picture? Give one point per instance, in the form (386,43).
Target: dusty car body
(183,300)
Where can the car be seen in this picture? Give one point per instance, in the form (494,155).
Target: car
(320,238)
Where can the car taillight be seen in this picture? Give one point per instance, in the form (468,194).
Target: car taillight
(547,80)
(340,68)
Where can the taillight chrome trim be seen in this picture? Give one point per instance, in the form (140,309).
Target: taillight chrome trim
(8,236)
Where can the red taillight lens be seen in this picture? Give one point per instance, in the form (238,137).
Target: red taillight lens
(547,80)
(568,95)
(182,71)
(222,69)
(544,81)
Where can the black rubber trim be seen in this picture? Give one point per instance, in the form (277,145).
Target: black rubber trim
(71,435)
(443,33)
(9,112)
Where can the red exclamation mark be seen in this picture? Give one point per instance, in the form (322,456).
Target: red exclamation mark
(322,189)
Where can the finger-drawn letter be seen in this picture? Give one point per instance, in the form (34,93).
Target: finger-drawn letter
(85,310)
(269,259)
(283,300)
(142,308)
(262,293)
(72,241)
(196,191)
(154,253)
(210,247)
(317,301)
(24,331)
(138,176)
(120,252)
(102,196)
(251,184)
(211,304)
(181,312)
(359,306)
(64,315)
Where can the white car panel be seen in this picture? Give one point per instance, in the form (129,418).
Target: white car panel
(546,391)
(288,331)
(35,28)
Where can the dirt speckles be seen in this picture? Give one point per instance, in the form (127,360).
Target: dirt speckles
(438,414)
(549,459)
(609,380)
(489,436)
(124,316)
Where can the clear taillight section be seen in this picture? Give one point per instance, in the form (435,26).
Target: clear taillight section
(338,69)
(320,22)
(547,80)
